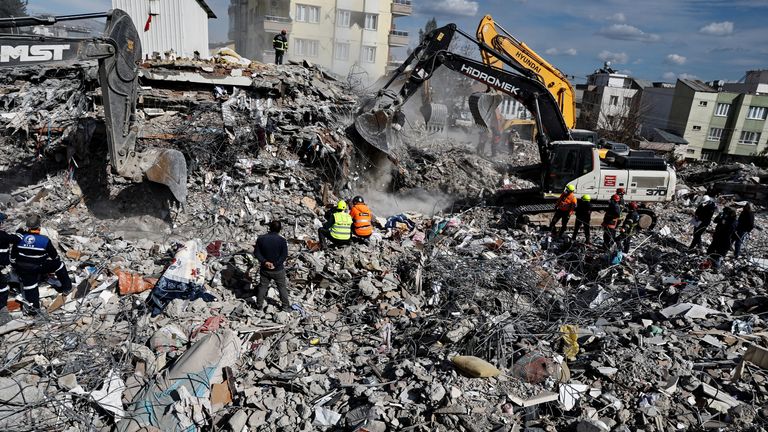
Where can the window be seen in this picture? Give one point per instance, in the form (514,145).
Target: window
(690,151)
(722,109)
(343,18)
(757,113)
(305,13)
(369,54)
(371,21)
(750,138)
(697,128)
(306,47)
(702,103)
(342,51)
(614,100)
(627,101)
(715,134)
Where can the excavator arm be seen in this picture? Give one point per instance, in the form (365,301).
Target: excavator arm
(433,53)
(119,55)
(527,62)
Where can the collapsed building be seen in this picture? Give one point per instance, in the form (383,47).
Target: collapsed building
(447,320)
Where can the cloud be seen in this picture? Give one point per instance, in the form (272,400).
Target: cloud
(717,28)
(628,32)
(671,76)
(618,17)
(568,51)
(675,59)
(617,58)
(445,8)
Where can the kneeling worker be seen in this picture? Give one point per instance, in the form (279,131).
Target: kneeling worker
(338,226)
(362,219)
(34,256)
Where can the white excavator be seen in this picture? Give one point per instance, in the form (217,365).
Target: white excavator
(644,177)
(119,55)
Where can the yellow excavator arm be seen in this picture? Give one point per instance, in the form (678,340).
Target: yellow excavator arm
(520,53)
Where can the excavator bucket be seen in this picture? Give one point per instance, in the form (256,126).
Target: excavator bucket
(483,107)
(435,116)
(375,127)
(119,79)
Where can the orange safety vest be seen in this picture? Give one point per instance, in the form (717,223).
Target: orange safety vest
(566,202)
(361,217)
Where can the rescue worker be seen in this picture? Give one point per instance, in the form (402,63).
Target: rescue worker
(610,221)
(338,226)
(5,260)
(721,239)
(701,219)
(620,193)
(280,44)
(629,228)
(271,250)
(744,226)
(33,256)
(583,217)
(564,208)
(362,218)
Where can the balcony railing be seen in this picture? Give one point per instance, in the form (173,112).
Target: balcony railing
(398,38)
(275,24)
(402,7)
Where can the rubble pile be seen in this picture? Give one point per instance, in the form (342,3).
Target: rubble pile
(444,320)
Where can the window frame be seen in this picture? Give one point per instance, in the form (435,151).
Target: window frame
(303,47)
(744,141)
(715,137)
(757,109)
(613,100)
(727,109)
(340,21)
(364,51)
(336,50)
(306,16)
(375,18)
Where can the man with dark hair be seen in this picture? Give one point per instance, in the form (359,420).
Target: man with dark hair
(271,250)
(33,256)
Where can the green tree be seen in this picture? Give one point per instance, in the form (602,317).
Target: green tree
(428,27)
(13,8)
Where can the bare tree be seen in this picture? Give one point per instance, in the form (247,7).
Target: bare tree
(13,8)
(623,122)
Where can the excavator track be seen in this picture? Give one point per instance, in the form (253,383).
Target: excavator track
(515,216)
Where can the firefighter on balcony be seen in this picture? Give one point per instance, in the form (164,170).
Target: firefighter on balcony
(280,44)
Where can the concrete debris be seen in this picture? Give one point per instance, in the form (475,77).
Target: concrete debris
(445,319)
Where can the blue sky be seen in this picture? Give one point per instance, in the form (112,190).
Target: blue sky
(657,40)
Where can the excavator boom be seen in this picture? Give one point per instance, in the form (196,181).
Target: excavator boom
(119,55)
(529,63)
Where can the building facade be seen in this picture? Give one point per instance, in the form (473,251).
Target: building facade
(346,37)
(719,124)
(165,25)
(607,98)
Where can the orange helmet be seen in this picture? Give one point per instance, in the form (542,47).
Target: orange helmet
(616,198)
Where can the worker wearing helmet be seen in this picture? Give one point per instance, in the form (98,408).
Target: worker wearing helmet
(620,192)
(338,226)
(629,228)
(280,44)
(701,219)
(564,208)
(362,219)
(611,221)
(583,217)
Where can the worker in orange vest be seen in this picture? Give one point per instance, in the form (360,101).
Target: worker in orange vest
(564,208)
(362,218)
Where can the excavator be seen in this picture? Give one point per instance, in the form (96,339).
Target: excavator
(119,55)
(563,160)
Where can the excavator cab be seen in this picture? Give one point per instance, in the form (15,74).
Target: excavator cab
(119,55)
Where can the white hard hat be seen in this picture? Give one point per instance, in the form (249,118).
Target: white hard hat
(706,198)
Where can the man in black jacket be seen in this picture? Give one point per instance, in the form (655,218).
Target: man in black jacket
(271,250)
(280,44)
(744,226)
(33,256)
(583,217)
(629,228)
(721,239)
(702,219)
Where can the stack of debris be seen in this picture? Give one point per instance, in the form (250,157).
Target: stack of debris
(443,321)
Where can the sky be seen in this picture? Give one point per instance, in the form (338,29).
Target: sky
(656,40)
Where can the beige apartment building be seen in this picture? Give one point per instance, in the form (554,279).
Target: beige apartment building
(349,38)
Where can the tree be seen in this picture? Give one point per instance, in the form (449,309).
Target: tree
(428,27)
(13,8)
(623,122)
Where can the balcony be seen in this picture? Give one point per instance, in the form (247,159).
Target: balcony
(401,7)
(398,38)
(274,24)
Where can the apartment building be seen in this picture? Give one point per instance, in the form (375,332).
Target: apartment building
(343,36)
(720,124)
(607,98)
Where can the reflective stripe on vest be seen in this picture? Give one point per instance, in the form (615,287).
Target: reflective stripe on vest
(342,226)
(361,215)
